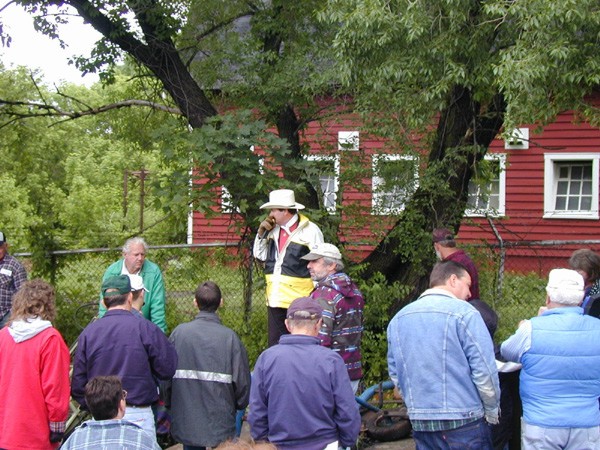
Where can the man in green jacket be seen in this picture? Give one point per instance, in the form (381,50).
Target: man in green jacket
(134,262)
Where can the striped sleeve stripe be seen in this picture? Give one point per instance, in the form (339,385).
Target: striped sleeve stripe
(204,376)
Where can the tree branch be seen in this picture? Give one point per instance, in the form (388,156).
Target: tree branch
(17,110)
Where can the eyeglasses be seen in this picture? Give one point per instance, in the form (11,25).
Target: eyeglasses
(124,394)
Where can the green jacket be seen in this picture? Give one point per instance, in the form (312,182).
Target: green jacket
(154,299)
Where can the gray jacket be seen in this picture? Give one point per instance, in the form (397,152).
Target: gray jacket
(212,381)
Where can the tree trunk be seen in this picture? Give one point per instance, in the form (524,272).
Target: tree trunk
(463,135)
(288,127)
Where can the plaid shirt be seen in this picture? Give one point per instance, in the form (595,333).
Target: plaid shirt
(12,276)
(110,434)
(440,425)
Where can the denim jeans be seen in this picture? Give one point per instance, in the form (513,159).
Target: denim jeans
(472,436)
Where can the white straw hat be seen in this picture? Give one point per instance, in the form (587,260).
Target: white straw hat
(282,199)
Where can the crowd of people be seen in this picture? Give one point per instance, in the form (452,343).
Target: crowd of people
(541,385)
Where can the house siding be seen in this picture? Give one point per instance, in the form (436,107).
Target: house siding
(524,213)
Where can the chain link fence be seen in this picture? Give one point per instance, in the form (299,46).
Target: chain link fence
(513,276)
(77,277)
(512,280)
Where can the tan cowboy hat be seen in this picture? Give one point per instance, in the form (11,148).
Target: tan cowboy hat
(282,199)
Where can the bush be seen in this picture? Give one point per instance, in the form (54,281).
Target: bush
(521,297)
(379,297)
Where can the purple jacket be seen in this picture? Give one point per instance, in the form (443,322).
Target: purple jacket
(301,396)
(121,344)
(342,328)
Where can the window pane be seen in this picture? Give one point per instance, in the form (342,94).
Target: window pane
(494,202)
(561,188)
(322,175)
(573,204)
(586,203)
(574,189)
(485,196)
(393,182)
(563,171)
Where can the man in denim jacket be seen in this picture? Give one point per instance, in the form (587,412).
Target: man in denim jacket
(441,356)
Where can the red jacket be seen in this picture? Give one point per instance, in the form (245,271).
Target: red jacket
(34,387)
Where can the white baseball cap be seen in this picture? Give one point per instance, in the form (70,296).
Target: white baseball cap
(323,250)
(137,283)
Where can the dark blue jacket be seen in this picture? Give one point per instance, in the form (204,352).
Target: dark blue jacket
(301,396)
(121,344)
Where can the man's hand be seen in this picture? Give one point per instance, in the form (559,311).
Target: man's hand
(266,226)
(492,419)
(56,436)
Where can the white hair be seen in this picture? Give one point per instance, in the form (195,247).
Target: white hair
(339,265)
(134,241)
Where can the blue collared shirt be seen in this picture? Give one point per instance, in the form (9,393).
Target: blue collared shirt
(111,434)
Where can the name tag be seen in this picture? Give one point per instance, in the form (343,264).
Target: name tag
(6,272)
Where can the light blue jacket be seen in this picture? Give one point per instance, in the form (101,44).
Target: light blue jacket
(441,356)
(560,379)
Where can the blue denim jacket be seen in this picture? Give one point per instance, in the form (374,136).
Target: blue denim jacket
(441,356)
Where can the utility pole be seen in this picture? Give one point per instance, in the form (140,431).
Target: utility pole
(142,175)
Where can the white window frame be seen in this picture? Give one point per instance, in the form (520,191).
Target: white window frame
(501,211)
(376,209)
(336,182)
(518,140)
(550,185)
(348,141)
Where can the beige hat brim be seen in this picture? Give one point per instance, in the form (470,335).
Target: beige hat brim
(270,205)
(311,257)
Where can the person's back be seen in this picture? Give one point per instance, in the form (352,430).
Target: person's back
(121,344)
(212,380)
(560,377)
(433,333)
(300,358)
(34,372)
(105,398)
(441,356)
(564,359)
(301,395)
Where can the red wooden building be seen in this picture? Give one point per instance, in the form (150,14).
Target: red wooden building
(545,188)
